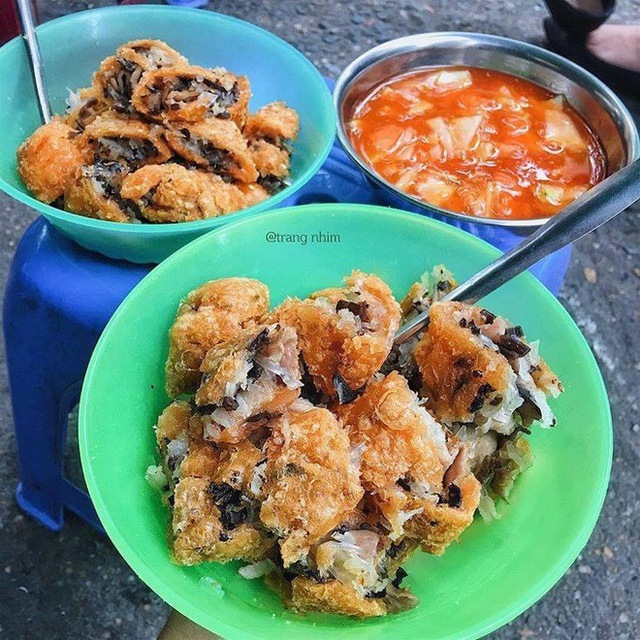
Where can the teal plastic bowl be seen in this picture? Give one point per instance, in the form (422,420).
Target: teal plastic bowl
(74,46)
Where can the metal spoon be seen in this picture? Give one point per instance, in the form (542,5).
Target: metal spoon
(585,214)
(25,11)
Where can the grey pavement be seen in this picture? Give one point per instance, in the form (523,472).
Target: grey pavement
(74,585)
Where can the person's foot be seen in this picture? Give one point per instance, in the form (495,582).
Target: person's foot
(616,44)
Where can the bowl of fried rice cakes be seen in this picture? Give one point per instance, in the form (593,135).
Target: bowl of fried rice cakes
(168,122)
(269,463)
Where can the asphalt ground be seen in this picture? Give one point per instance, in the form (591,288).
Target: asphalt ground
(73,584)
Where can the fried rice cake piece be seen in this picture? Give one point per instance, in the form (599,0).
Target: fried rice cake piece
(356,572)
(171,193)
(397,435)
(113,138)
(49,158)
(458,370)
(270,132)
(310,484)
(269,159)
(229,197)
(214,512)
(212,314)
(214,145)
(402,446)
(416,472)
(192,94)
(478,370)
(439,523)
(199,534)
(118,75)
(248,380)
(114,81)
(94,192)
(365,559)
(345,334)
(275,122)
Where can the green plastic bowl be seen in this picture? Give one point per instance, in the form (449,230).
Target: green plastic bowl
(74,46)
(497,571)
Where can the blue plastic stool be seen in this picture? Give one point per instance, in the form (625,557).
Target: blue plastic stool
(58,300)
(188,3)
(59,297)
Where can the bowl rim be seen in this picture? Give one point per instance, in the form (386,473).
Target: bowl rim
(180,602)
(325,110)
(391,48)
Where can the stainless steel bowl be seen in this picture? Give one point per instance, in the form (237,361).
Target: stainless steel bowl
(595,102)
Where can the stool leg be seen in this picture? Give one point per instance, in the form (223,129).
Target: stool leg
(46,359)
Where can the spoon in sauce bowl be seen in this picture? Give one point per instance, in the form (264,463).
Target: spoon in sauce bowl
(585,214)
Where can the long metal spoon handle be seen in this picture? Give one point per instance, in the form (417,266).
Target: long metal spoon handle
(585,214)
(25,11)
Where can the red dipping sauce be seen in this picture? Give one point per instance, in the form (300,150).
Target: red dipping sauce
(479,142)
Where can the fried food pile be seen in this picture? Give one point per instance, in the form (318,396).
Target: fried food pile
(156,139)
(302,442)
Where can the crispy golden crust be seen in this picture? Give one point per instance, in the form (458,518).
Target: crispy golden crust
(228,197)
(192,94)
(222,363)
(545,378)
(171,193)
(332,597)
(275,122)
(311,485)
(438,525)
(119,139)
(89,107)
(213,313)
(237,464)
(340,342)
(199,535)
(202,460)
(150,54)
(269,159)
(216,145)
(234,197)
(91,192)
(173,422)
(398,436)
(232,464)
(49,158)
(456,366)
(252,193)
